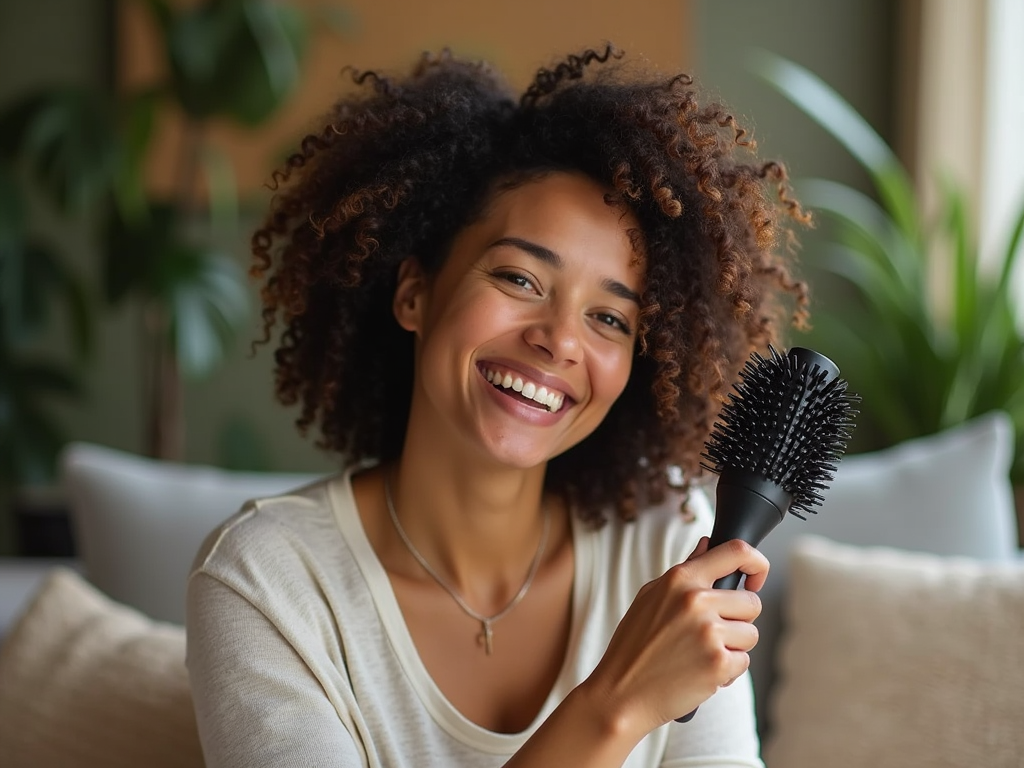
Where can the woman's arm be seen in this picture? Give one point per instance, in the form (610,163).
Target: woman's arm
(257,702)
(679,642)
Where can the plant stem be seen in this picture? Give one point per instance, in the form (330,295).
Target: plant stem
(165,404)
(165,397)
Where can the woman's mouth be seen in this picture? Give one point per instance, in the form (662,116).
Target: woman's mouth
(527,390)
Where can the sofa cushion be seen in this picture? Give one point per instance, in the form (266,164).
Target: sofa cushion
(86,682)
(138,522)
(893,658)
(947,494)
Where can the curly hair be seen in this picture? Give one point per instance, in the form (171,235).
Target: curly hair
(402,165)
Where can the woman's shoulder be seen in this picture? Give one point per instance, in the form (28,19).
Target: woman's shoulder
(661,535)
(273,529)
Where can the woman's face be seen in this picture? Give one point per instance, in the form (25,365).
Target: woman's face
(525,336)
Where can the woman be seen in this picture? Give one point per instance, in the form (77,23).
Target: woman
(514,320)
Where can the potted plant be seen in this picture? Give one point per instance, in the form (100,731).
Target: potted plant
(33,281)
(921,362)
(85,150)
(226,59)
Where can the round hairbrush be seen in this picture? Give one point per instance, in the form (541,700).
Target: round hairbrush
(776,445)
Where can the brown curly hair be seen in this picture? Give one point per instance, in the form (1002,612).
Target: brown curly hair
(403,164)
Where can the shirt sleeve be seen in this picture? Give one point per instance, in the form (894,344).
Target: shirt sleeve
(257,702)
(722,734)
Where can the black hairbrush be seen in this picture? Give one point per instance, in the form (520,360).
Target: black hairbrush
(776,446)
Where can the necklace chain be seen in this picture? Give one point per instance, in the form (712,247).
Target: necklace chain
(486,634)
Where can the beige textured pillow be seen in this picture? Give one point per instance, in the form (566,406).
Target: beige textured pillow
(87,682)
(892,658)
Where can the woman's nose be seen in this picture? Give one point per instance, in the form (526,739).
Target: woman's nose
(558,334)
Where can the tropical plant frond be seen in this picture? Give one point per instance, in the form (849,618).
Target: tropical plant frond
(919,367)
(825,106)
(889,245)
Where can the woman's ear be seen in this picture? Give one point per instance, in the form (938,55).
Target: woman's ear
(409,303)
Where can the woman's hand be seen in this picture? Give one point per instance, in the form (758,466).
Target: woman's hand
(681,639)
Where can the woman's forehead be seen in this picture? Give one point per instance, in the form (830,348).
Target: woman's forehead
(564,206)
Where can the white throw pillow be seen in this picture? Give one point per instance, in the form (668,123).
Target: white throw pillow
(85,682)
(947,494)
(893,659)
(139,522)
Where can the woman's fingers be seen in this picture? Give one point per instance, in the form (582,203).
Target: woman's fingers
(726,558)
(681,639)
(701,548)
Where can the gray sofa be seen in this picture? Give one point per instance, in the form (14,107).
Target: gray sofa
(940,509)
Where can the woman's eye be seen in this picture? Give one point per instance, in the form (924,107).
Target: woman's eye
(613,322)
(516,279)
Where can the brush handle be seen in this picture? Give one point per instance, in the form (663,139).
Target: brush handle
(749,507)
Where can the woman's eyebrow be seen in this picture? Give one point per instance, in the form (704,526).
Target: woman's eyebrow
(537,251)
(548,256)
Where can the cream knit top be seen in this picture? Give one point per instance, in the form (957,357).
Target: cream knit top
(298,653)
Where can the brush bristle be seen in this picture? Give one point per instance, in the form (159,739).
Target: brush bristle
(786,422)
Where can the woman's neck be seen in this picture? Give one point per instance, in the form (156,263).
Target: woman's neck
(469,521)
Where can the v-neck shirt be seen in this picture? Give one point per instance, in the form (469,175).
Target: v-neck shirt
(298,652)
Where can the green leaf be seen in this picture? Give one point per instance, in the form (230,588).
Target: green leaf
(15,120)
(207,303)
(267,55)
(29,436)
(72,145)
(886,242)
(864,367)
(1011,254)
(137,118)
(134,250)
(31,272)
(32,278)
(965,278)
(35,441)
(13,210)
(825,106)
(276,30)
(197,340)
(239,59)
(80,316)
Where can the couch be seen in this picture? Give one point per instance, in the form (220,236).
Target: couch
(890,636)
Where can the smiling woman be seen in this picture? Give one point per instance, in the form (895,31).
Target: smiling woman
(510,319)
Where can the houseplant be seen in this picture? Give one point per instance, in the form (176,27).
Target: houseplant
(34,282)
(86,150)
(82,151)
(922,360)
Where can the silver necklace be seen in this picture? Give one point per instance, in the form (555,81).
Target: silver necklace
(486,633)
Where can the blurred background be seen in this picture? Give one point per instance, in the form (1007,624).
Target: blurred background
(137,136)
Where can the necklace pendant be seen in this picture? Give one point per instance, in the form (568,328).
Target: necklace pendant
(485,637)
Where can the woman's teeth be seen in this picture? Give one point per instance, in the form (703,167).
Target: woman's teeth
(550,398)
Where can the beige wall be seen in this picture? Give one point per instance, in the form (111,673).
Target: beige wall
(517,37)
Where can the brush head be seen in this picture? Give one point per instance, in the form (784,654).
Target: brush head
(787,422)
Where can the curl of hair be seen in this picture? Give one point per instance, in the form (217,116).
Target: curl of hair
(402,165)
